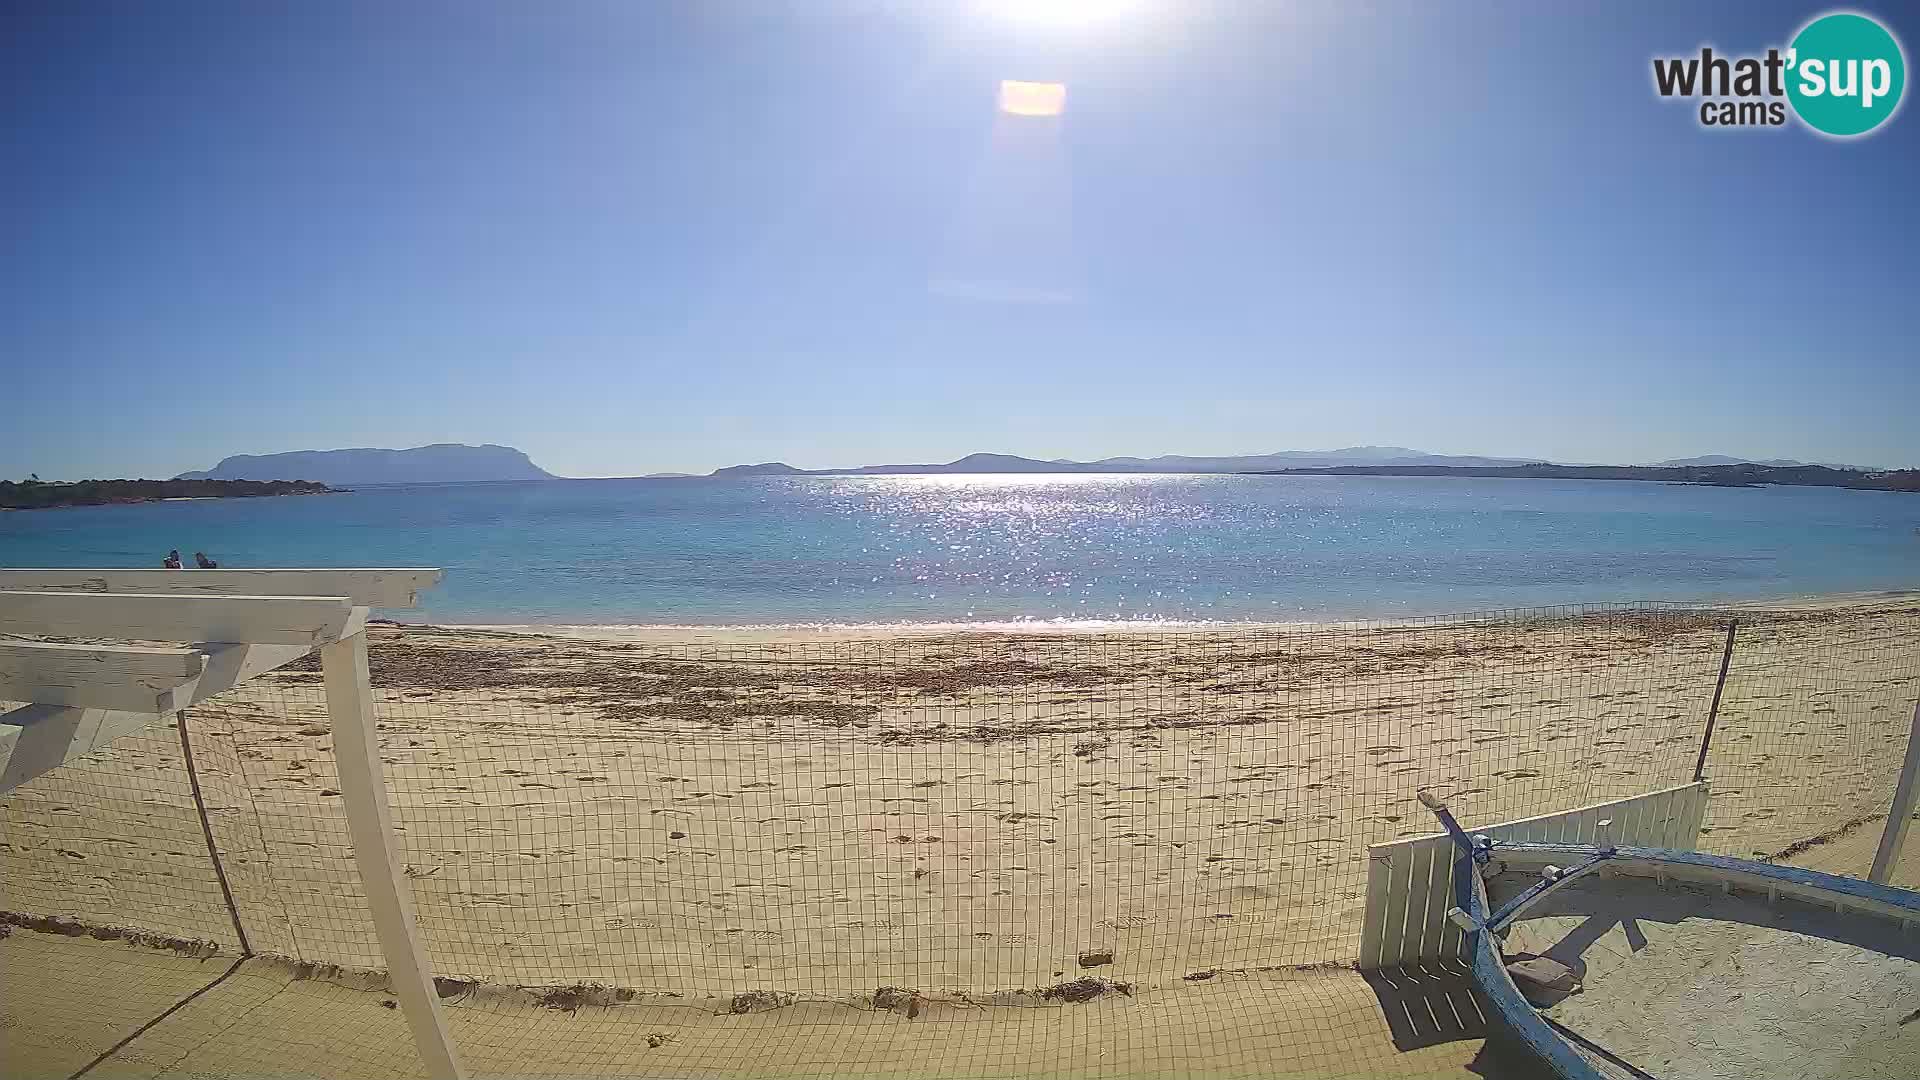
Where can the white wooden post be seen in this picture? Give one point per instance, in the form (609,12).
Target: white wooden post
(364,790)
(43,743)
(1894,836)
(35,739)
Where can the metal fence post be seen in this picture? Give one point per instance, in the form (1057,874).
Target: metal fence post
(1713,711)
(363,788)
(1900,815)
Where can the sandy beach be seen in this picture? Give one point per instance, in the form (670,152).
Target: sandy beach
(957,816)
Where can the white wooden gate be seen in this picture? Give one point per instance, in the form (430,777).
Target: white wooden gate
(1410,882)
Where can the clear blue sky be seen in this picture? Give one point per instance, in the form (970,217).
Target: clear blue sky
(635,237)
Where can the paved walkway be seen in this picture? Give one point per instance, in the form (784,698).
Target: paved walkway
(66,1001)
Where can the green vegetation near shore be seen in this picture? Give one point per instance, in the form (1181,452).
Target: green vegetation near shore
(35,494)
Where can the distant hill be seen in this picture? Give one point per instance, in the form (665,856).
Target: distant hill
(439,463)
(1389,461)
(972,463)
(1351,455)
(765,468)
(1742,475)
(1167,463)
(1723,459)
(1716,459)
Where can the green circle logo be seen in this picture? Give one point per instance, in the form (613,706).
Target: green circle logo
(1845,74)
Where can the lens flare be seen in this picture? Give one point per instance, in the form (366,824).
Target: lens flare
(1032,98)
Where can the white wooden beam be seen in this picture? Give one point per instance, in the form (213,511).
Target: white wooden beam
(267,620)
(386,588)
(1893,837)
(45,737)
(131,677)
(96,676)
(363,788)
(230,665)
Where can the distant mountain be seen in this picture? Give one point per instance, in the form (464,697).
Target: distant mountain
(439,463)
(1741,475)
(1351,455)
(1717,459)
(972,463)
(765,468)
(1168,463)
(1723,459)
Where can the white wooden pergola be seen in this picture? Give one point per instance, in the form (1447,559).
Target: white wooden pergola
(216,629)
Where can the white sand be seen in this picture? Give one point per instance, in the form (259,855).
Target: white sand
(959,815)
(1686,981)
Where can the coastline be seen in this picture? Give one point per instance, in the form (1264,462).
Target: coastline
(757,633)
(47,495)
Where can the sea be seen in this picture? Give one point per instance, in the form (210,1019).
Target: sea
(1030,550)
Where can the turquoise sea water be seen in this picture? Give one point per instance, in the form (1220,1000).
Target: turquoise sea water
(999,548)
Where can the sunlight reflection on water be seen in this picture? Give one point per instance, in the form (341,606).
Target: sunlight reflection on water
(1069,549)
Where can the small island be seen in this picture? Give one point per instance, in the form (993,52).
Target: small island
(35,494)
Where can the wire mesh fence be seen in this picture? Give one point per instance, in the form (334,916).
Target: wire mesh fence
(921,821)
(1811,733)
(982,816)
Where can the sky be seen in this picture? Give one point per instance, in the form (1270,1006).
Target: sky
(641,237)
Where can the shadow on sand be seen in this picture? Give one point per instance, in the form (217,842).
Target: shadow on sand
(1438,1003)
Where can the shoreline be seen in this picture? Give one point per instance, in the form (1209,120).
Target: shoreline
(753,633)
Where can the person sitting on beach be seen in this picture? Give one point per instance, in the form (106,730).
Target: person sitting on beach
(173,560)
(200,559)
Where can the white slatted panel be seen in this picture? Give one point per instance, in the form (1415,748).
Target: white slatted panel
(1410,882)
